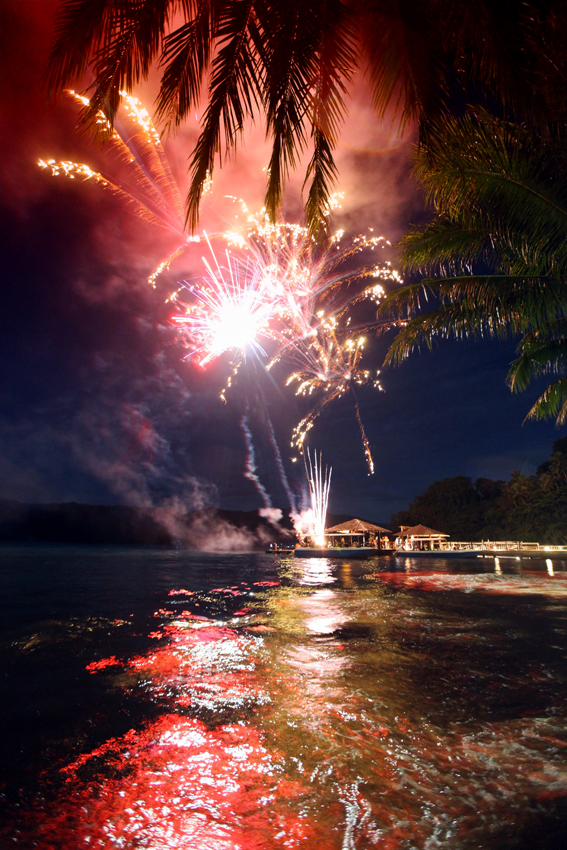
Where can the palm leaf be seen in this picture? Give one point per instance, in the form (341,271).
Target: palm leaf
(447,245)
(235,89)
(542,352)
(336,59)
(516,303)
(185,58)
(553,402)
(455,320)
(120,38)
(128,51)
(291,47)
(491,41)
(79,28)
(404,69)
(324,172)
(479,163)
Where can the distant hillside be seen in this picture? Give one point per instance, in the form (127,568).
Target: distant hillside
(75,523)
(213,529)
(529,508)
(121,525)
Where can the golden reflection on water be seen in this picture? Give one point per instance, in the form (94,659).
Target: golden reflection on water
(340,709)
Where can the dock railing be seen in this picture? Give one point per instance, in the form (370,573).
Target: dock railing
(491,546)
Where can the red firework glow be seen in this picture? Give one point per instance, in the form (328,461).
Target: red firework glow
(280,297)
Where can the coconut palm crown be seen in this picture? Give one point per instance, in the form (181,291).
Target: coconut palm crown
(497,245)
(295,61)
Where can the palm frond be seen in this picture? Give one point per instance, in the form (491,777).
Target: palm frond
(235,89)
(453,321)
(543,351)
(132,43)
(491,41)
(503,304)
(553,402)
(405,300)
(290,70)
(479,163)
(446,245)
(80,26)
(185,58)
(405,72)
(336,59)
(323,170)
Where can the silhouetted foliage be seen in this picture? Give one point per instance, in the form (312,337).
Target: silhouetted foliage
(296,62)
(499,191)
(530,508)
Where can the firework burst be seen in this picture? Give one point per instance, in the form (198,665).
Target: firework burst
(275,294)
(150,189)
(329,365)
(277,291)
(230,310)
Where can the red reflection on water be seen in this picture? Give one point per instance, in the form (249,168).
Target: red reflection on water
(493,583)
(175,784)
(318,758)
(94,666)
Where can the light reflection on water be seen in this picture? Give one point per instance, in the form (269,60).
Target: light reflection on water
(295,703)
(313,571)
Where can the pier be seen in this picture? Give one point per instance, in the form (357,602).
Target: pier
(488,549)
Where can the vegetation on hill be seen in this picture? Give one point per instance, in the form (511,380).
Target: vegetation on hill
(529,508)
(122,525)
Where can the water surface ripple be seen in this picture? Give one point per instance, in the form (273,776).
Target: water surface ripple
(164,699)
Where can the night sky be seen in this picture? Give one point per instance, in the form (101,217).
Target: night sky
(96,403)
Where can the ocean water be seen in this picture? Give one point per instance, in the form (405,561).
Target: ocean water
(164,699)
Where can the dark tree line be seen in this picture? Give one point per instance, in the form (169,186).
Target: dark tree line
(123,525)
(529,508)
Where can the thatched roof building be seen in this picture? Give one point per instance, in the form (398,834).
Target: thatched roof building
(356,526)
(356,533)
(420,531)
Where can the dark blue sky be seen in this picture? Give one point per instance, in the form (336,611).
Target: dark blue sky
(96,404)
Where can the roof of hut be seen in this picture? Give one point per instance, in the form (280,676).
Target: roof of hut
(421,531)
(355,526)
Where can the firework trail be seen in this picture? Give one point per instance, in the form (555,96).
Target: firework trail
(250,468)
(365,443)
(319,483)
(277,454)
(151,189)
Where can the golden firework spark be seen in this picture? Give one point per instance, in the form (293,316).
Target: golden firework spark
(329,362)
(279,288)
(276,288)
(149,188)
(319,480)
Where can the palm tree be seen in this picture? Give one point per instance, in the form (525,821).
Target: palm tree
(498,244)
(295,61)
